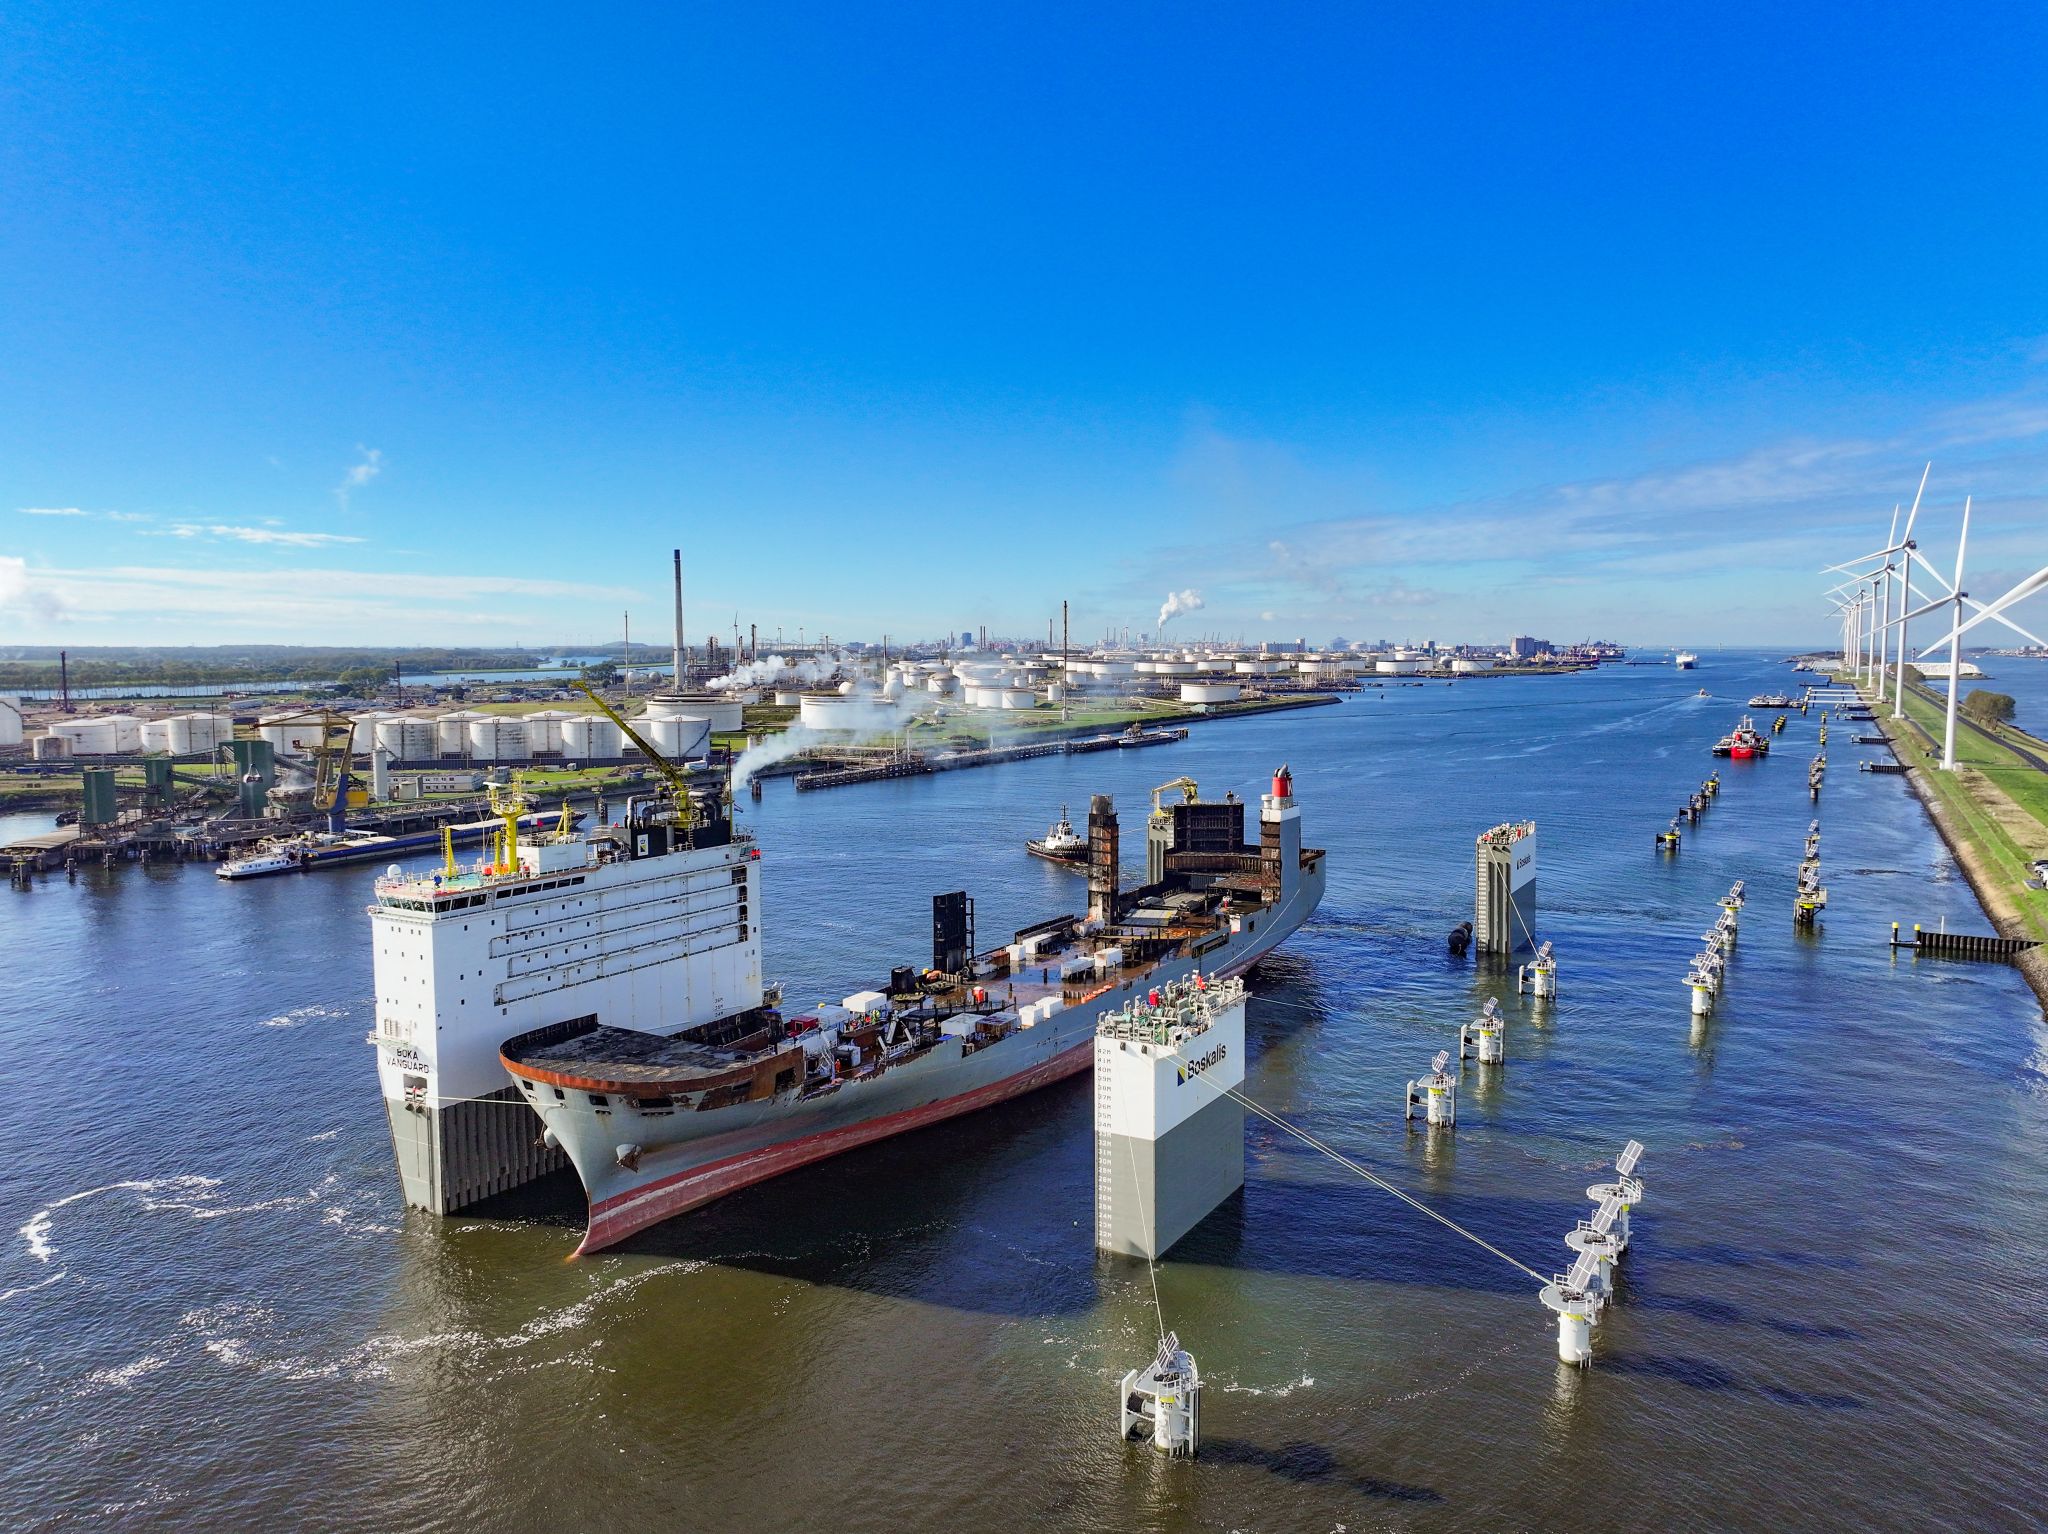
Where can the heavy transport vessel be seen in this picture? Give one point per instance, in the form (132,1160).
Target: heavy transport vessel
(600,997)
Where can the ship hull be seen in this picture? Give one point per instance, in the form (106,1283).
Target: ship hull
(685,1159)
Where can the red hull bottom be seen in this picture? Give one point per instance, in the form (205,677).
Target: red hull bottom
(615,1218)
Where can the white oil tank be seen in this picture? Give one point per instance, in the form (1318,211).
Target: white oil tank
(1019,697)
(12,726)
(677,736)
(451,732)
(207,732)
(544,732)
(1210,692)
(127,732)
(724,713)
(788,698)
(86,737)
(590,737)
(408,738)
(156,735)
(497,738)
(841,711)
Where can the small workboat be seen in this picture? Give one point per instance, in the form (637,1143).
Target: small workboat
(1061,844)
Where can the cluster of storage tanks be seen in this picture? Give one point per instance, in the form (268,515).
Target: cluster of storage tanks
(671,726)
(120,734)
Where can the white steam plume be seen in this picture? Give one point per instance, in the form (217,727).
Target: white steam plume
(1176,603)
(864,720)
(777,668)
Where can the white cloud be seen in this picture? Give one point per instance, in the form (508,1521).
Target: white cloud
(52,511)
(23,596)
(291,606)
(359,474)
(129,516)
(270,535)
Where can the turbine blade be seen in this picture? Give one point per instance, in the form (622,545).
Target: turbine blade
(2026,588)
(1916,501)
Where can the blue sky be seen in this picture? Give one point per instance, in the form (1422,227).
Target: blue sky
(370,326)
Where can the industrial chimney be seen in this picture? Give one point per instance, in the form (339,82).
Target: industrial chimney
(681,681)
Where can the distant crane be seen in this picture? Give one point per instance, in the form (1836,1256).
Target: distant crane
(331,750)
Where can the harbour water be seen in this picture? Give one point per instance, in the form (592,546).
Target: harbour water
(216,1313)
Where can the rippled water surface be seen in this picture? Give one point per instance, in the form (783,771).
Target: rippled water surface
(215,1311)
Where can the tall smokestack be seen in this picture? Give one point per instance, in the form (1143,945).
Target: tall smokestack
(679,620)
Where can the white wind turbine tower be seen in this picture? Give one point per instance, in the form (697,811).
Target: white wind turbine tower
(1881,577)
(1956,600)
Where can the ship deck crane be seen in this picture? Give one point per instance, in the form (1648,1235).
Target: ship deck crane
(678,781)
(1189,794)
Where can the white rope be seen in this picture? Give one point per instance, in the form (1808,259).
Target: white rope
(1377,1181)
(1151,1267)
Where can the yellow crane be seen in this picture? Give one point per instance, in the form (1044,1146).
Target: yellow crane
(1189,795)
(678,780)
(508,800)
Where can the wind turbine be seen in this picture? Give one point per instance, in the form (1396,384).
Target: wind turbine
(1955,601)
(1894,544)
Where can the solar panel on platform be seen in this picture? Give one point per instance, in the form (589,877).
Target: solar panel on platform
(1631,1153)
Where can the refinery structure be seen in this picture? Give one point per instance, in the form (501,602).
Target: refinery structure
(277,780)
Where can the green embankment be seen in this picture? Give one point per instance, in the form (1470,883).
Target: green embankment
(1996,802)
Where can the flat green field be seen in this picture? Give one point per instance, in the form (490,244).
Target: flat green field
(1996,800)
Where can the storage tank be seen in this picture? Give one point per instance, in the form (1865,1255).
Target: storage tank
(544,732)
(1019,697)
(788,698)
(842,711)
(408,739)
(497,738)
(590,737)
(1397,667)
(451,732)
(1210,692)
(49,748)
(677,736)
(212,732)
(725,714)
(86,737)
(127,731)
(175,731)
(1468,667)
(11,722)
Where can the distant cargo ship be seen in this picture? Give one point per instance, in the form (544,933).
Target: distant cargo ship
(617,979)
(1685,660)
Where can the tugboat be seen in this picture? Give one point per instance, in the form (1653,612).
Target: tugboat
(1062,844)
